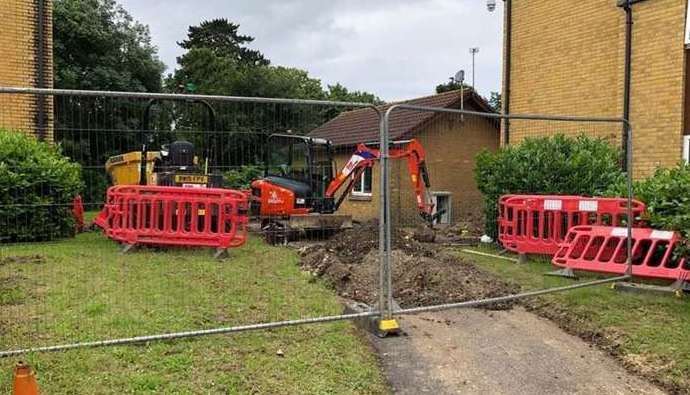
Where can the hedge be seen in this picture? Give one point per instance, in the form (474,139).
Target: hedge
(241,177)
(37,186)
(667,196)
(557,164)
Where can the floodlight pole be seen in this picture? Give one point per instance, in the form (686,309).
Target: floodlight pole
(473,51)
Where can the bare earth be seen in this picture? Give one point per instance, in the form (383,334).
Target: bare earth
(498,352)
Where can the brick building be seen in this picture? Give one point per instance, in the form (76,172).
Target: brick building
(569,57)
(451,144)
(26,46)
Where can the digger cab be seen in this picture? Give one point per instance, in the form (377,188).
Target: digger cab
(303,165)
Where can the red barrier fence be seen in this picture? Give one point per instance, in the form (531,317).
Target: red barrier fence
(175,216)
(78,213)
(603,249)
(537,224)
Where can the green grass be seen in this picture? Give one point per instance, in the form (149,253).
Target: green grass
(83,289)
(650,333)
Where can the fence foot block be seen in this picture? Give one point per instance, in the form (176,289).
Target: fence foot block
(127,248)
(388,327)
(677,288)
(522,259)
(565,272)
(681,286)
(221,253)
(374,325)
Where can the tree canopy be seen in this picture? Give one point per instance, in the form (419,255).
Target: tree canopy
(222,38)
(218,61)
(99,46)
(449,86)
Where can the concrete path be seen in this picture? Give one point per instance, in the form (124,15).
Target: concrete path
(498,352)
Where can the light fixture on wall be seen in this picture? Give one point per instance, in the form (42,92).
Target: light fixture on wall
(491,5)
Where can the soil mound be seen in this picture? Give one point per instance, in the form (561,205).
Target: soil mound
(423,273)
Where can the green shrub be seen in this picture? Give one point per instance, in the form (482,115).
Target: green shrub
(546,165)
(241,178)
(667,196)
(37,186)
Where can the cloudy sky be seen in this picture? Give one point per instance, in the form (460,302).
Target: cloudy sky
(397,49)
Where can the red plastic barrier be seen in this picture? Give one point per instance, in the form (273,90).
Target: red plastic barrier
(198,217)
(506,231)
(603,249)
(537,224)
(78,213)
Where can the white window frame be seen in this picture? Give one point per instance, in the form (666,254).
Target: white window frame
(448,214)
(686,148)
(360,183)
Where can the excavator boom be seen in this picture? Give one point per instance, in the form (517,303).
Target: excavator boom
(365,156)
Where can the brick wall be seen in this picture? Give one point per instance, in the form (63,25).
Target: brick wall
(451,147)
(568,58)
(19,66)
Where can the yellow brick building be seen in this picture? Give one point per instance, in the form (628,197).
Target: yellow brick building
(451,143)
(26,61)
(568,57)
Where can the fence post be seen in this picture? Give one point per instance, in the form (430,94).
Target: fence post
(629,175)
(386,322)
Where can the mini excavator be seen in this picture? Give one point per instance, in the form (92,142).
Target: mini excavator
(299,190)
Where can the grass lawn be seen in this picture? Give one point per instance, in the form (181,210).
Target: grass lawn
(82,289)
(649,333)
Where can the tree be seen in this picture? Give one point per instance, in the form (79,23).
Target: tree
(495,101)
(97,45)
(338,92)
(222,38)
(218,61)
(449,86)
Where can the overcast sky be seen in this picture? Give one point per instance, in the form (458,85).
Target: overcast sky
(397,49)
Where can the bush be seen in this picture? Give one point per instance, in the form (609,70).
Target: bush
(37,186)
(667,196)
(546,165)
(242,177)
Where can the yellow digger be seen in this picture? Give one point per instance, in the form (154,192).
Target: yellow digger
(174,165)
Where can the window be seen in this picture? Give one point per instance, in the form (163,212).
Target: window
(442,203)
(362,187)
(288,158)
(686,149)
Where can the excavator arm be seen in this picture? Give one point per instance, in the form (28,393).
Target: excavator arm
(364,157)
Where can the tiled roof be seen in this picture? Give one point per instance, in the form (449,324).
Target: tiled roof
(362,125)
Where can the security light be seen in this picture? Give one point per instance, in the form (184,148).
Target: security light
(491,5)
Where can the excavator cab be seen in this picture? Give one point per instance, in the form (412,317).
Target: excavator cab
(300,166)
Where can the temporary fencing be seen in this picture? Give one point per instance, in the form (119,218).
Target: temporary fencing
(537,224)
(114,300)
(175,216)
(603,249)
(452,138)
(108,298)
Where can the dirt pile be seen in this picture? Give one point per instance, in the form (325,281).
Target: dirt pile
(423,273)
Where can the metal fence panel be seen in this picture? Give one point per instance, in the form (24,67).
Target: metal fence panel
(452,138)
(59,291)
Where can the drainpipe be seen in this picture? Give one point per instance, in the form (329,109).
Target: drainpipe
(627,78)
(40,68)
(506,69)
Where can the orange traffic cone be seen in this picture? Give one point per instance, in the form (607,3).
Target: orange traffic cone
(24,380)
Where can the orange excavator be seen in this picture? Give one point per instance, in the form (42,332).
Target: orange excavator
(299,190)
